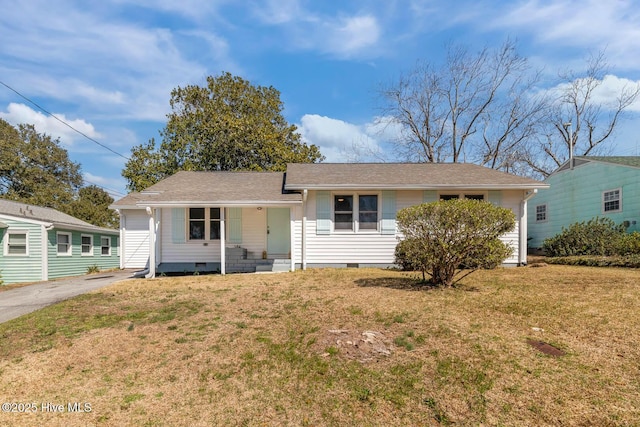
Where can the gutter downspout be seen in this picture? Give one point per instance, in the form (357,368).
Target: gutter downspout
(304,229)
(523,226)
(45,250)
(152,244)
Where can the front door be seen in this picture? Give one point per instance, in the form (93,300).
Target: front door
(278,232)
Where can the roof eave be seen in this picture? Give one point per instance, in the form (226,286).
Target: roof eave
(89,229)
(419,187)
(226,203)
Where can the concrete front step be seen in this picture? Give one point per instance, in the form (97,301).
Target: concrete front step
(274,265)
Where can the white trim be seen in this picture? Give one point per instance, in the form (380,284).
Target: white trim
(355,187)
(44,244)
(619,200)
(355,213)
(225,203)
(90,253)
(9,232)
(546,213)
(207,224)
(223,246)
(152,243)
(69,251)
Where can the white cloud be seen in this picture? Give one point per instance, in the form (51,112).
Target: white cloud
(606,92)
(340,141)
(343,35)
(613,26)
(276,12)
(22,114)
(349,36)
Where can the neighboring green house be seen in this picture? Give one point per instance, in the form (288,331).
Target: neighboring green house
(39,243)
(606,187)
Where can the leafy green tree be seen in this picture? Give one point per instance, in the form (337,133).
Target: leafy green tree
(35,169)
(451,239)
(92,205)
(228,125)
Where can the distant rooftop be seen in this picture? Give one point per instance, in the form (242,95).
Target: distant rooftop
(38,213)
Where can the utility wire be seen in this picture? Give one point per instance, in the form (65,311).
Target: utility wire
(62,121)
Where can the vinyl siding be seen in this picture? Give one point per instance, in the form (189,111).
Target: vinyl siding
(254,231)
(376,248)
(576,195)
(189,251)
(512,200)
(21,269)
(76,264)
(135,231)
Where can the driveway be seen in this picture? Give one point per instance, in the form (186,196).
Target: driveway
(18,301)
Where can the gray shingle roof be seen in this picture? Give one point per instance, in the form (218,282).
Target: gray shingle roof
(193,188)
(402,175)
(198,188)
(47,215)
(633,161)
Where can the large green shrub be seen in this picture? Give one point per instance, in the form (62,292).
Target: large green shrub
(445,238)
(598,236)
(629,244)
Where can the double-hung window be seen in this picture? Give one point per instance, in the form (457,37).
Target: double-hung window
(355,212)
(105,246)
(64,244)
(17,243)
(541,213)
(204,224)
(612,201)
(87,245)
(368,212)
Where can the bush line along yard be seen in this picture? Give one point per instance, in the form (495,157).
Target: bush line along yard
(335,347)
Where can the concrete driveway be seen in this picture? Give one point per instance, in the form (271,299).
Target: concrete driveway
(18,301)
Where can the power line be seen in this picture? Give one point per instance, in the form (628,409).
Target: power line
(109,190)
(62,121)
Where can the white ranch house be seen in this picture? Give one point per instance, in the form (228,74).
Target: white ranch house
(312,215)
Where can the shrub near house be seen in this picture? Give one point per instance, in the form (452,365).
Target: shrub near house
(446,238)
(597,242)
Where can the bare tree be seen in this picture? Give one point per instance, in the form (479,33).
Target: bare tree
(578,119)
(475,107)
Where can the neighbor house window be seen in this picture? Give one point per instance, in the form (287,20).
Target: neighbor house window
(474,196)
(449,196)
(612,201)
(87,245)
(541,213)
(204,224)
(361,215)
(105,246)
(17,243)
(64,244)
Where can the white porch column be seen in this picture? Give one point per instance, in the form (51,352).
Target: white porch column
(292,238)
(152,244)
(303,237)
(223,246)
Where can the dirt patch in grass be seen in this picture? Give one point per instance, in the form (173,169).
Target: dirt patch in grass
(334,347)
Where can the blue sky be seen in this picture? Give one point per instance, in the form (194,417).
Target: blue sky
(107,67)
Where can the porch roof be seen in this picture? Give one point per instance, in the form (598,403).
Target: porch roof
(187,188)
(402,176)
